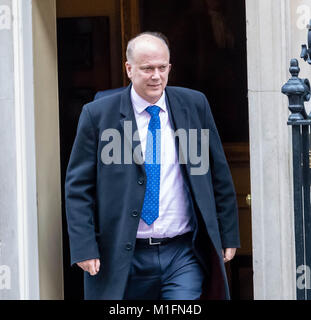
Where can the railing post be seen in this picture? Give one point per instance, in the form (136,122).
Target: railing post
(306,205)
(298,91)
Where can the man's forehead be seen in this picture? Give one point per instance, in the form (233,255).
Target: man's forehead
(150,61)
(151,55)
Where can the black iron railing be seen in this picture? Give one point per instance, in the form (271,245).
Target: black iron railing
(298,92)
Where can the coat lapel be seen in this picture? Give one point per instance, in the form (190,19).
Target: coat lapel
(179,118)
(129,126)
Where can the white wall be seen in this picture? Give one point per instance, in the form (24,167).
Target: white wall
(9,268)
(18,211)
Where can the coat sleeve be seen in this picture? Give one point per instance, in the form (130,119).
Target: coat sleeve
(224,192)
(80,191)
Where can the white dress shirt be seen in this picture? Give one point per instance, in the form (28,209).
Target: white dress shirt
(175,206)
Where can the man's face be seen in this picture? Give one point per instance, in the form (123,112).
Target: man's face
(149,68)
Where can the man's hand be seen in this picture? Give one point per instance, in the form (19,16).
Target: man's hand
(91,266)
(228,254)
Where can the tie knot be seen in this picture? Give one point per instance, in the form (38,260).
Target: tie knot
(153,110)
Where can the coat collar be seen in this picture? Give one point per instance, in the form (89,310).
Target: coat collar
(128,116)
(178,110)
(179,118)
(126,107)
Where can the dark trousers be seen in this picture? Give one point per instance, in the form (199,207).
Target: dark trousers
(167,271)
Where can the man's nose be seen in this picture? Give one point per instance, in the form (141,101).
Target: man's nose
(156,74)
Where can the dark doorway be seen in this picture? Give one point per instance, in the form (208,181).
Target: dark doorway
(83,69)
(208,53)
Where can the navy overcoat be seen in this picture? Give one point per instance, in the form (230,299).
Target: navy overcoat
(104,201)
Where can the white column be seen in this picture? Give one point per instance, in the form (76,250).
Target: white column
(18,210)
(9,270)
(268,45)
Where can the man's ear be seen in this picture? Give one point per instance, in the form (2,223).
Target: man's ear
(169,68)
(128,68)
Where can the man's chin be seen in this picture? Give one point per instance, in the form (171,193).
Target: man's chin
(154,96)
(156,91)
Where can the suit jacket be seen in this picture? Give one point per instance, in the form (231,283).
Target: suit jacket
(104,202)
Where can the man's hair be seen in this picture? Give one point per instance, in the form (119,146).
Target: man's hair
(131,43)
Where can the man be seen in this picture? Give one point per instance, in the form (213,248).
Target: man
(159,226)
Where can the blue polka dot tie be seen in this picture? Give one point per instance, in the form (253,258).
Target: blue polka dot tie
(150,211)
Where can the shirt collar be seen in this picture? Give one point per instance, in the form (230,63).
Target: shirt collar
(141,104)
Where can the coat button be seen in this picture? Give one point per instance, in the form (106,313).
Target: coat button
(140,181)
(134,213)
(128,246)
